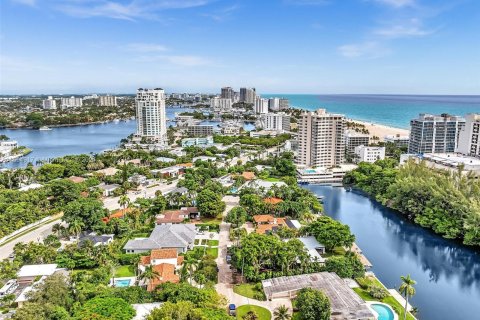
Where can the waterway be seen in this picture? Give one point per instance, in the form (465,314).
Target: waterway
(84,139)
(447,273)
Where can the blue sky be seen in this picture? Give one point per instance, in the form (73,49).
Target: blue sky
(282,46)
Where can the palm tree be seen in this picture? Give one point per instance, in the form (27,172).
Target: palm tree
(149,274)
(56,228)
(190,262)
(75,227)
(407,289)
(281,313)
(124,201)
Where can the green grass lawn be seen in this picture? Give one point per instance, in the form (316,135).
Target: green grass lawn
(125,271)
(262,313)
(249,290)
(212,242)
(390,300)
(338,251)
(212,252)
(272,179)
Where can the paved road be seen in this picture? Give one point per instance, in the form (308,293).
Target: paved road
(225,275)
(112,203)
(35,235)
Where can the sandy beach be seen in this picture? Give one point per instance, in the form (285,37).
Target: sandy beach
(381,130)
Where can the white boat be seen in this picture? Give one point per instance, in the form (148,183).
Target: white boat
(44,128)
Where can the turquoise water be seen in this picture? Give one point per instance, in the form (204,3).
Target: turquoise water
(122,283)
(393,110)
(384,312)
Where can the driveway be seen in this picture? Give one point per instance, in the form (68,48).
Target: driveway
(225,275)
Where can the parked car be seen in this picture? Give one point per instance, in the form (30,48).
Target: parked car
(229,259)
(232,309)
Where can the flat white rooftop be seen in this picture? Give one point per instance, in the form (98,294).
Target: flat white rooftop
(34,270)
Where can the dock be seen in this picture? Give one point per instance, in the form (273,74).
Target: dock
(366,263)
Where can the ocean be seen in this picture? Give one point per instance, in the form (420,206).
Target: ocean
(391,110)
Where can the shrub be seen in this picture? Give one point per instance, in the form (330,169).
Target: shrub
(377,292)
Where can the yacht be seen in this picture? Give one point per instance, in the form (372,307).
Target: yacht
(44,128)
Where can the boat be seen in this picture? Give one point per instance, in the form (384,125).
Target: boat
(44,128)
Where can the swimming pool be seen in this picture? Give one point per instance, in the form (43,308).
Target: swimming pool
(384,312)
(122,283)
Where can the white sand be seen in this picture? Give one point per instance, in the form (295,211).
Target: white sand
(381,130)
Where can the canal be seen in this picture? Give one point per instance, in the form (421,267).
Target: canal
(447,273)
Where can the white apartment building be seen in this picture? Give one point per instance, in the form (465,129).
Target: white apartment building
(261,105)
(274,104)
(354,139)
(276,121)
(369,154)
(321,140)
(107,101)
(231,130)
(398,140)
(468,140)
(71,102)
(151,118)
(221,104)
(6,147)
(50,103)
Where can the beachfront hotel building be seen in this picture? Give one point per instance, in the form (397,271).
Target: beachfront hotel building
(150,110)
(468,140)
(274,104)
(261,105)
(434,133)
(321,139)
(283,104)
(107,101)
(354,139)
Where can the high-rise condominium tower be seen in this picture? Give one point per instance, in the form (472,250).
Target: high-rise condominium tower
(227,93)
(321,140)
(469,137)
(434,134)
(151,118)
(247,95)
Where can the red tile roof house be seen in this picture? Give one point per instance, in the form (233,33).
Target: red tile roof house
(266,223)
(177,216)
(165,262)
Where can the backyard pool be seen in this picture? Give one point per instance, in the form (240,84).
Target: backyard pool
(384,312)
(120,283)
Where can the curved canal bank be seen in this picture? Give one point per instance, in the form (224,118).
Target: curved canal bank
(447,273)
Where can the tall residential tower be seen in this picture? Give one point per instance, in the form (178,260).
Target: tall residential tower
(469,137)
(434,133)
(321,141)
(151,118)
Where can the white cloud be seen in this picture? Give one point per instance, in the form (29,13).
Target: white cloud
(132,10)
(397,3)
(222,14)
(31,3)
(369,49)
(145,47)
(178,60)
(411,28)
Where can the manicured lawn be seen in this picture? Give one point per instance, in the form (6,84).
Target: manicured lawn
(262,313)
(212,242)
(124,271)
(272,179)
(390,300)
(249,290)
(338,251)
(212,252)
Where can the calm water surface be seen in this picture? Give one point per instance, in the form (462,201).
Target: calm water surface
(447,273)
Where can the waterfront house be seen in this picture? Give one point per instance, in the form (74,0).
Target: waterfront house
(165,160)
(166,236)
(266,223)
(107,171)
(97,240)
(314,248)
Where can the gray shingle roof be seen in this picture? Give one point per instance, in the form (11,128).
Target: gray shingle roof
(165,236)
